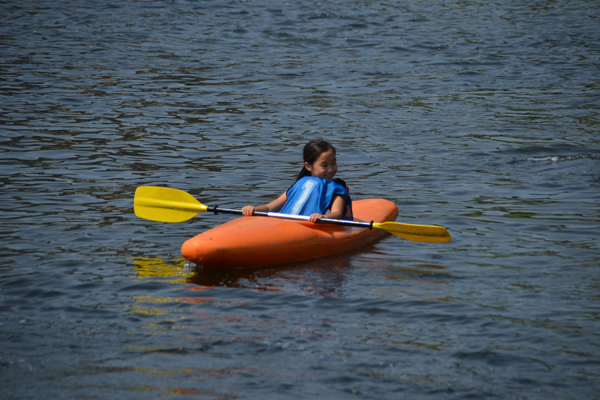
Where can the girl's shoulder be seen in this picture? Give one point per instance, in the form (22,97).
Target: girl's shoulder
(342,183)
(339,181)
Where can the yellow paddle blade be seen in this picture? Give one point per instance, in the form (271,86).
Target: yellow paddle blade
(416,233)
(165,204)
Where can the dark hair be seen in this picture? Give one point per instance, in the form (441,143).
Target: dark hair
(312,151)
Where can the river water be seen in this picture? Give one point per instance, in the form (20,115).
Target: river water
(482,117)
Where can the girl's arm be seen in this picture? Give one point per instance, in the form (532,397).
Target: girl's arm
(273,206)
(337,210)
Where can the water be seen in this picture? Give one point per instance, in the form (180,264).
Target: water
(480,117)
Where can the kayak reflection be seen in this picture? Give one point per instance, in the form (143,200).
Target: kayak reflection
(321,277)
(318,277)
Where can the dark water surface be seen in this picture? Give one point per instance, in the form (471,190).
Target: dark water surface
(480,117)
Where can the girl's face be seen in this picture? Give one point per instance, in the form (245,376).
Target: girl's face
(325,167)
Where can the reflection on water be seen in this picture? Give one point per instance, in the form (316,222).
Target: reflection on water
(321,277)
(148,268)
(316,277)
(175,272)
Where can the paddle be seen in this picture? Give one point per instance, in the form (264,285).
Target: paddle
(174,205)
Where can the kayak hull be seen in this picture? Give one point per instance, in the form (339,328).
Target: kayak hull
(249,242)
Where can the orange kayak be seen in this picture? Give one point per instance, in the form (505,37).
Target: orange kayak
(261,241)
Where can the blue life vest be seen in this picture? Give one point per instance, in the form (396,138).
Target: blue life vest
(311,195)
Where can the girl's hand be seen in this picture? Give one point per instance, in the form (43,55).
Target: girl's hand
(248,211)
(315,217)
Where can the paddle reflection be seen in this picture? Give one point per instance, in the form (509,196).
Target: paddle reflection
(323,277)
(175,271)
(320,277)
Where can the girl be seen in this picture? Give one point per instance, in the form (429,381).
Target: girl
(315,192)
